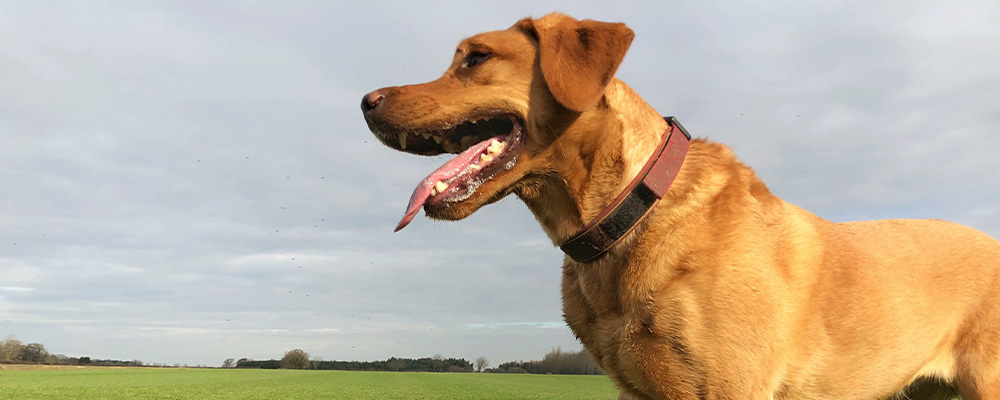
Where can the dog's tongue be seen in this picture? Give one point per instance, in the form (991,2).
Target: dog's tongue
(447,171)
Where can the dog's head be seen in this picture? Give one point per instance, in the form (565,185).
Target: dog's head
(503,106)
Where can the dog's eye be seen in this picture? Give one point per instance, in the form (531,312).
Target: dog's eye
(475,58)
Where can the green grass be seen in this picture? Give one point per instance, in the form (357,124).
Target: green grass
(181,383)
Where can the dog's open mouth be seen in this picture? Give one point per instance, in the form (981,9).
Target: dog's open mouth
(485,147)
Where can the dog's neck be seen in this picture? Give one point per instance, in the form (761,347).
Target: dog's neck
(606,158)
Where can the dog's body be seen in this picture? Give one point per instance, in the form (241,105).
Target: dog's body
(725,291)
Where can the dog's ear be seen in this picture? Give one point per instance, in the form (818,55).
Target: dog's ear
(578,58)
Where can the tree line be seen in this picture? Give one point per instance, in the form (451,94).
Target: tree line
(556,361)
(13,351)
(298,359)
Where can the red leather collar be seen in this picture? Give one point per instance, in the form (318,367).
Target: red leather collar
(634,204)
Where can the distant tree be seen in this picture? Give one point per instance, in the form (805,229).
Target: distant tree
(34,352)
(395,364)
(11,349)
(241,361)
(229,363)
(295,359)
(437,363)
(482,362)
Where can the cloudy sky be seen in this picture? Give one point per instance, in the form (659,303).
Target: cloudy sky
(186,182)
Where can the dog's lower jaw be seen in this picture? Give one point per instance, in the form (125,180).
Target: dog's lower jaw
(458,210)
(454,211)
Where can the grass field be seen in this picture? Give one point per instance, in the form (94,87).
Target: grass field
(183,383)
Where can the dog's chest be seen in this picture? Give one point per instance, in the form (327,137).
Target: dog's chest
(595,319)
(625,339)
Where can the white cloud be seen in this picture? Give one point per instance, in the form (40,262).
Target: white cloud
(17,289)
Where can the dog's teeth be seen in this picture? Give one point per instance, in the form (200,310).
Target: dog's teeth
(437,139)
(440,186)
(434,192)
(475,167)
(426,136)
(496,147)
(402,140)
(484,158)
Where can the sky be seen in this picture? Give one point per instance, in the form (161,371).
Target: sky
(185,182)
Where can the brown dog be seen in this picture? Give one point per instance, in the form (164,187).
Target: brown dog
(725,291)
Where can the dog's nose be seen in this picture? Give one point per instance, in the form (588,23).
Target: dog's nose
(371,100)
